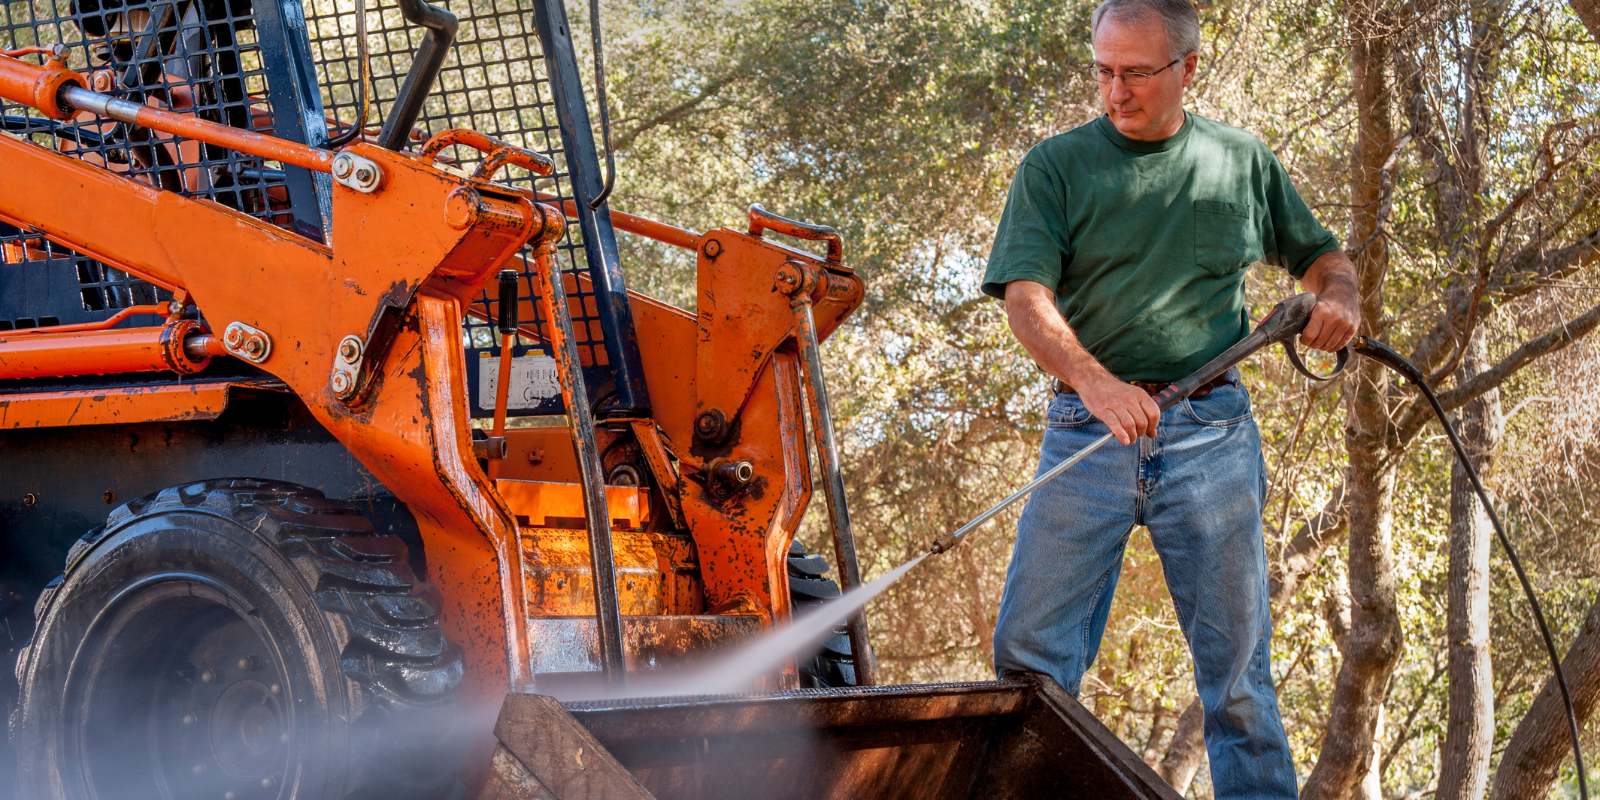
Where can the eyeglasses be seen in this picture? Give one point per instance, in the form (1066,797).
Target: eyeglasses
(1105,75)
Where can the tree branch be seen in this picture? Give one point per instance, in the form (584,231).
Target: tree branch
(1540,745)
(1486,241)
(673,114)
(1418,413)
(1526,273)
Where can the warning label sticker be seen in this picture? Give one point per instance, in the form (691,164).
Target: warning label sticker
(533,380)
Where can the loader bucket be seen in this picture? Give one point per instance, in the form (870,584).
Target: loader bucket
(1004,739)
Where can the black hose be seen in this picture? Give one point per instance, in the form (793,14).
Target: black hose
(1379,352)
(605,116)
(363,82)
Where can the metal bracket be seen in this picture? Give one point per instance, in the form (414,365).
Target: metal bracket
(347,367)
(359,173)
(249,343)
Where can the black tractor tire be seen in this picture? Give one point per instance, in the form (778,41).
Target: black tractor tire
(237,639)
(833,665)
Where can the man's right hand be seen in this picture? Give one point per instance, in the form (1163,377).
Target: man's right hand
(1126,409)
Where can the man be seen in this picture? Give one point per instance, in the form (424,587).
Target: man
(1121,258)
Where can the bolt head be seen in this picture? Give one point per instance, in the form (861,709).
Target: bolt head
(277,688)
(208,676)
(710,426)
(712,248)
(365,175)
(233,338)
(348,350)
(269,782)
(253,346)
(342,165)
(340,382)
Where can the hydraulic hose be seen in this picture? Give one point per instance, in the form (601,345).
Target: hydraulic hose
(1381,353)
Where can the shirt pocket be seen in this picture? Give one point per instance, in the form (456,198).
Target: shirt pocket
(1225,239)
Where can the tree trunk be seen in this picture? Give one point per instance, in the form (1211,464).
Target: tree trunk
(1469,728)
(1589,12)
(1373,646)
(1188,749)
(1371,786)
(1541,743)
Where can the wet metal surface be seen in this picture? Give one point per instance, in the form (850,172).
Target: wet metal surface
(567,644)
(1009,739)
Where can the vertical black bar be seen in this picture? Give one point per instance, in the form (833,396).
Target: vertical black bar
(292,90)
(599,240)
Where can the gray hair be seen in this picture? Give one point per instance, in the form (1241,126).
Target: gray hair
(1177,16)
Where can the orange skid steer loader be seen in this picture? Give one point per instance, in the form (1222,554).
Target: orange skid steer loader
(320,442)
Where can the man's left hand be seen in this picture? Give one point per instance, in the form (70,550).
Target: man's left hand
(1333,320)
(1337,314)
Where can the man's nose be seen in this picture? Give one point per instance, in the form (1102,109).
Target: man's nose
(1119,90)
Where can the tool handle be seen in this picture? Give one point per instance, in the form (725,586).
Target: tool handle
(762,219)
(1293,353)
(508,302)
(1286,320)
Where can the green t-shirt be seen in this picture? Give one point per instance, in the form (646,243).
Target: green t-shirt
(1147,243)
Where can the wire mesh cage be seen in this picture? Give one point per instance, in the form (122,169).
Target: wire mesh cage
(239,63)
(215,59)
(494,81)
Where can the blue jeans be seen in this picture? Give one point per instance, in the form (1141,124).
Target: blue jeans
(1198,487)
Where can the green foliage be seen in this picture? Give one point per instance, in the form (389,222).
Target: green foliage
(901,123)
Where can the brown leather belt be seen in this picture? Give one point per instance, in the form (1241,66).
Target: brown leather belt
(1154,389)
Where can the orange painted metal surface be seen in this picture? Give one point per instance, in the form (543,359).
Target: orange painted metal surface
(496,153)
(394,273)
(561,581)
(743,320)
(659,460)
(400,268)
(547,504)
(632,223)
(49,88)
(104,352)
(38,86)
(127,404)
(233,138)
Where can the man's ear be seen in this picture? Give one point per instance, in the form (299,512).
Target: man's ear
(1190,63)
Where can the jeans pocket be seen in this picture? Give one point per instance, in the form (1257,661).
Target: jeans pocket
(1223,237)
(1067,411)
(1226,406)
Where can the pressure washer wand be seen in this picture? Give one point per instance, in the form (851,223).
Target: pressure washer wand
(1286,321)
(1282,324)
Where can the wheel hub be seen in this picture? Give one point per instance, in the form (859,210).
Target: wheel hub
(186,678)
